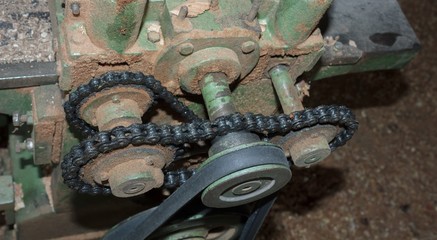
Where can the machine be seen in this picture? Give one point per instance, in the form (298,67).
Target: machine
(180,119)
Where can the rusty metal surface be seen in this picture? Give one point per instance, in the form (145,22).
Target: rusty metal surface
(118,106)
(131,171)
(307,144)
(48,124)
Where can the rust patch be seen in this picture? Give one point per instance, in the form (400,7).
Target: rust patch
(133,98)
(121,4)
(85,68)
(301,27)
(96,171)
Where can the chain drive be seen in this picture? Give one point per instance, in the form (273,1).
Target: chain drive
(193,131)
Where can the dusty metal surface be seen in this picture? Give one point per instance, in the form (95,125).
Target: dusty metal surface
(48,124)
(129,172)
(120,106)
(27,74)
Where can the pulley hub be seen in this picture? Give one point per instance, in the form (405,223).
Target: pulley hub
(250,184)
(129,172)
(117,106)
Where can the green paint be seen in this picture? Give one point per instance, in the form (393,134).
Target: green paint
(120,31)
(115,26)
(217,95)
(296,19)
(29,176)
(368,63)
(290,21)
(287,92)
(15,100)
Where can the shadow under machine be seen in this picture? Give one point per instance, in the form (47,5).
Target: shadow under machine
(174,119)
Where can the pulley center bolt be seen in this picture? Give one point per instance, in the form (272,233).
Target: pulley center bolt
(246,188)
(134,178)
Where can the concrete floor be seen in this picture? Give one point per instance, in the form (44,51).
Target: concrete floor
(383,184)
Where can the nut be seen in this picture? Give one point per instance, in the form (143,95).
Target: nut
(186,49)
(75,8)
(248,47)
(154,36)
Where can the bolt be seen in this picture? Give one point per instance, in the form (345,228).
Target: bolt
(186,49)
(338,46)
(29,144)
(183,13)
(154,36)
(254,10)
(248,47)
(16,119)
(115,99)
(75,8)
(25,145)
(134,188)
(19,119)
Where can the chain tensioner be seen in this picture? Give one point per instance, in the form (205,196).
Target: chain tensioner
(193,131)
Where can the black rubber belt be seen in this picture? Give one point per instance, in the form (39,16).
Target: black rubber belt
(142,225)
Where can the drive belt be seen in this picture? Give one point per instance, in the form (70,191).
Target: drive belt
(142,225)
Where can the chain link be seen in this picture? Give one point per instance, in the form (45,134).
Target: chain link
(193,131)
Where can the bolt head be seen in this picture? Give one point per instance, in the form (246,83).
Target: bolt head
(75,8)
(29,144)
(153,36)
(338,45)
(16,119)
(186,49)
(248,47)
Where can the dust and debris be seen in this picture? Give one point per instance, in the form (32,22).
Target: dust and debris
(47,181)
(19,203)
(25,32)
(353,43)
(330,40)
(304,89)
(195,7)
(155,27)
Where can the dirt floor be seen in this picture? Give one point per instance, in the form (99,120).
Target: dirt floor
(383,184)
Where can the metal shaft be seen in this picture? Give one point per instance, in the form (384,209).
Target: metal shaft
(310,149)
(217,95)
(285,89)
